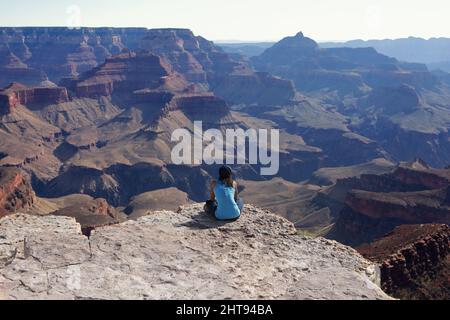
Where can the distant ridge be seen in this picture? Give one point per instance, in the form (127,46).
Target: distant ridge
(435,52)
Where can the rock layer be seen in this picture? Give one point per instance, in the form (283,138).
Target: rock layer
(401,107)
(125,74)
(17,94)
(348,70)
(62,52)
(414,261)
(376,204)
(184,255)
(202,62)
(16,192)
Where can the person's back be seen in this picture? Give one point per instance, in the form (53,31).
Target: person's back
(227,208)
(224,203)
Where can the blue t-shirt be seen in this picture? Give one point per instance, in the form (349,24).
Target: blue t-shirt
(227,207)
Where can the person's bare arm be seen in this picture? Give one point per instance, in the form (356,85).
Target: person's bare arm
(236,193)
(211,190)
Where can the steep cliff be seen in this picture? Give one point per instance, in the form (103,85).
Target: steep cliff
(184,255)
(125,74)
(17,94)
(368,216)
(414,261)
(206,64)
(62,52)
(16,193)
(375,204)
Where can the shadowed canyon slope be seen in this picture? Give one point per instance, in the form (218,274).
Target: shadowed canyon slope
(62,52)
(400,106)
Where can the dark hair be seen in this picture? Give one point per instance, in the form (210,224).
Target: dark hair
(226,175)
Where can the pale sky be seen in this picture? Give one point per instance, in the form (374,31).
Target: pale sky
(246,20)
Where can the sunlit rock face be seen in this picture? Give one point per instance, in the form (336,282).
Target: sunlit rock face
(130,260)
(125,74)
(17,94)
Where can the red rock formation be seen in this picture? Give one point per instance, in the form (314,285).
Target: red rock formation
(202,62)
(127,73)
(62,53)
(411,194)
(426,177)
(8,99)
(409,207)
(413,176)
(103,208)
(414,261)
(179,46)
(414,258)
(17,94)
(94,90)
(16,192)
(146,79)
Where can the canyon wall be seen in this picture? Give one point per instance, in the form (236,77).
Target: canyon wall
(127,73)
(414,261)
(16,192)
(376,204)
(61,52)
(17,94)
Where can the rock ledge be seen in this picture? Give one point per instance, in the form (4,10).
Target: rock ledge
(184,255)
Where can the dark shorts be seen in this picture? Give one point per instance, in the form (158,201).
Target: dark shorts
(211,207)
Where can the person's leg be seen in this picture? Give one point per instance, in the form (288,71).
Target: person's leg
(210,208)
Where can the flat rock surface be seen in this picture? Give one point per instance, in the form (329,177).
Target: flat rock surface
(184,255)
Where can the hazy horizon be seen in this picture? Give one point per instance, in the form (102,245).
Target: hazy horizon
(320,41)
(231,41)
(249,21)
